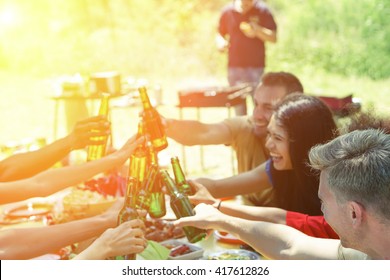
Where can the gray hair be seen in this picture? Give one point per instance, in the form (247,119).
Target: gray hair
(358,168)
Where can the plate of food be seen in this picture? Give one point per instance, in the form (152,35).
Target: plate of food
(181,250)
(226,237)
(82,203)
(28,210)
(233,255)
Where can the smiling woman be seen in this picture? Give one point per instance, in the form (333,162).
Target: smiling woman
(298,123)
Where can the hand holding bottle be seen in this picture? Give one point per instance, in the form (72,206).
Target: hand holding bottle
(206,217)
(202,195)
(123,154)
(84,130)
(127,238)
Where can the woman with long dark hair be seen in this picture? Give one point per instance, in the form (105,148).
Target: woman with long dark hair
(307,122)
(298,123)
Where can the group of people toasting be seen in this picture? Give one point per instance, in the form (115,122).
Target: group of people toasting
(316,192)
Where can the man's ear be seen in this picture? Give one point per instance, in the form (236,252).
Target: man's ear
(356,213)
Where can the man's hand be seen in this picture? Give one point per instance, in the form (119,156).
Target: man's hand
(83,130)
(248,29)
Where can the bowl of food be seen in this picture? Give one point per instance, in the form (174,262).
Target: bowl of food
(80,203)
(233,255)
(181,250)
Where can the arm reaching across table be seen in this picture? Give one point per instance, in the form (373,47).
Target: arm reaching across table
(274,241)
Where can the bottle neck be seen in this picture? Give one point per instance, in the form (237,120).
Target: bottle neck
(150,179)
(169,183)
(137,166)
(145,98)
(152,155)
(103,110)
(178,172)
(132,186)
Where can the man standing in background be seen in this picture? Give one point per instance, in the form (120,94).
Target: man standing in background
(243,28)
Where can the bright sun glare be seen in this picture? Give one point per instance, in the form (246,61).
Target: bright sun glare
(8,16)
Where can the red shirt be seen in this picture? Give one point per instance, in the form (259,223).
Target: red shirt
(315,226)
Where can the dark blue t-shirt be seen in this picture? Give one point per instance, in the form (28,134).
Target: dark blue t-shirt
(244,51)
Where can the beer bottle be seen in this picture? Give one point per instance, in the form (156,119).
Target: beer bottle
(157,208)
(138,160)
(129,211)
(153,122)
(143,195)
(182,207)
(98,151)
(180,179)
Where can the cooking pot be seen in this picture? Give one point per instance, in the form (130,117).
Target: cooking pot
(108,82)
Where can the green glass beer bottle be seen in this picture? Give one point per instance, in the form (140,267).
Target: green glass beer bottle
(129,211)
(157,208)
(182,207)
(180,179)
(143,195)
(98,151)
(153,122)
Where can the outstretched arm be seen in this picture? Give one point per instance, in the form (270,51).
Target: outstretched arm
(255,213)
(274,241)
(251,181)
(28,164)
(53,180)
(27,243)
(189,132)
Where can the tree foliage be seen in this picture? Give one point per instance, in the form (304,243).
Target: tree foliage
(160,37)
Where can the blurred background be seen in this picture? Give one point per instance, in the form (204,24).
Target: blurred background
(336,48)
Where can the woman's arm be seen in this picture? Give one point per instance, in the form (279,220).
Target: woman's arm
(28,164)
(26,243)
(53,180)
(251,181)
(255,213)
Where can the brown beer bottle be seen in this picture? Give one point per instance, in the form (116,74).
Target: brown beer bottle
(182,207)
(153,122)
(98,151)
(180,179)
(129,211)
(157,208)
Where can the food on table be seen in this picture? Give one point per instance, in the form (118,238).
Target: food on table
(83,196)
(81,203)
(180,250)
(234,255)
(229,256)
(159,230)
